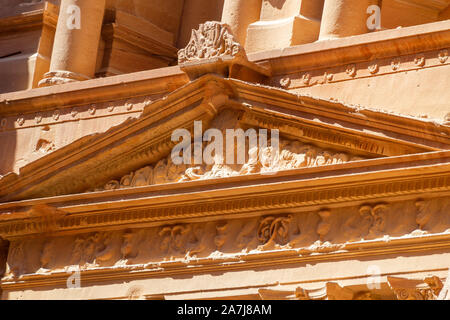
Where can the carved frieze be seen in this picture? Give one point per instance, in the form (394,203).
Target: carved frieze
(304,232)
(274,231)
(262,159)
(330,291)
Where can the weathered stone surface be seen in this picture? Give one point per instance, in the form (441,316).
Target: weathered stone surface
(350,203)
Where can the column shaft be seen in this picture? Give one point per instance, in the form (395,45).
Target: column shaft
(343,18)
(76,41)
(238,14)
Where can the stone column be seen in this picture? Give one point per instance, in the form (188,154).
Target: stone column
(312,9)
(76,41)
(343,18)
(239,14)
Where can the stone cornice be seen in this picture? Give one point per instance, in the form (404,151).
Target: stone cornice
(328,111)
(119,87)
(366,47)
(304,189)
(30,20)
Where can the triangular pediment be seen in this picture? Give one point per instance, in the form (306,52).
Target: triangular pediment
(313,132)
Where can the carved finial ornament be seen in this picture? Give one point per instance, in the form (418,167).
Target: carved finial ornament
(214,49)
(212,39)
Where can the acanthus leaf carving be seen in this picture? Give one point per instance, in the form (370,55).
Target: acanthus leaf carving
(212,39)
(273,231)
(262,160)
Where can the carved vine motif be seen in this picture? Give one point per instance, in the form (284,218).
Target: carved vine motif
(274,230)
(299,231)
(212,39)
(292,155)
(406,289)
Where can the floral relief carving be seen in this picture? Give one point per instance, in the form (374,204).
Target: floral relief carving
(20,120)
(47,255)
(407,289)
(292,155)
(395,64)
(419,60)
(212,39)
(246,235)
(285,82)
(307,232)
(351,70)
(274,231)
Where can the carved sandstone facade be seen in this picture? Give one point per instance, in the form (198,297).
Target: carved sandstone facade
(353,205)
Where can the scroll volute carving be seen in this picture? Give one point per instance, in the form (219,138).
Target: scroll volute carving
(408,289)
(274,231)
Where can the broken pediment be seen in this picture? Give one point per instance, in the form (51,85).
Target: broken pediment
(137,152)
